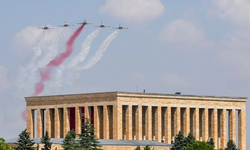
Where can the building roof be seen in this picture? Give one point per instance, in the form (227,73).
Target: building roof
(138,95)
(102,142)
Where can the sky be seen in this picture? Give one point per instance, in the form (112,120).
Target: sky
(198,47)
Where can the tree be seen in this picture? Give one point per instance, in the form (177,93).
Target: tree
(231,145)
(190,139)
(24,141)
(87,138)
(37,146)
(211,142)
(46,141)
(179,142)
(95,144)
(3,145)
(138,148)
(199,145)
(69,143)
(147,147)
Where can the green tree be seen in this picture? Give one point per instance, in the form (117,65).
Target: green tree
(24,141)
(69,143)
(231,145)
(199,145)
(179,142)
(190,139)
(211,142)
(147,148)
(138,148)
(46,141)
(3,145)
(87,139)
(95,144)
(37,146)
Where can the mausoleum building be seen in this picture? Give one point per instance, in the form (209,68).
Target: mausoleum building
(140,116)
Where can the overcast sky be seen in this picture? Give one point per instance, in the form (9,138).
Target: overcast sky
(198,47)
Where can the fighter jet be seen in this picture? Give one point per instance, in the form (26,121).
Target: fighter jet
(102,26)
(45,27)
(84,23)
(65,25)
(120,27)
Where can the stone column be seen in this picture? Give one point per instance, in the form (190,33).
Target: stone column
(39,124)
(117,114)
(30,122)
(149,123)
(232,125)
(119,121)
(205,125)
(86,112)
(158,136)
(215,127)
(78,120)
(139,123)
(129,123)
(106,122)
(96,122)
(48,122)
(168,126)
(57,124)
(187,122)
(223,137)
(242,129)
(66,121)
(178,120)
(196,124)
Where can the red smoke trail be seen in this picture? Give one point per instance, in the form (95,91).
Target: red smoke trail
(45,74)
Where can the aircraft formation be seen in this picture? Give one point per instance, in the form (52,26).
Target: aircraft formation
(120,27)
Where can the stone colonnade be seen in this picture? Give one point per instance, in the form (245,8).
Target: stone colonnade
(140,122)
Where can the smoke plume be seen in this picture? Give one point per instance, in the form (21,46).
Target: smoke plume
(92,61)
(45,73)
(52,50)
(85,49)
(98,55)
(77,58)
(37,52)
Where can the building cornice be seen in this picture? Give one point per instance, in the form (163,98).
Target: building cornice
(114,95)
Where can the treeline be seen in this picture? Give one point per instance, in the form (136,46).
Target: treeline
(86,141)
(181,142)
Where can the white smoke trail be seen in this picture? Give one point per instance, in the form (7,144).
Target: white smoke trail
(52,50)
(30,68)
(92,61)
(98,55)
(85,49)
(37,52)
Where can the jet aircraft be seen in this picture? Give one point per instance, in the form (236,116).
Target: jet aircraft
(45,27)
(84,23)
(120,27)
(102,26)
(65,25)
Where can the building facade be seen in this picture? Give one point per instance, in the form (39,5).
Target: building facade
(140,116)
